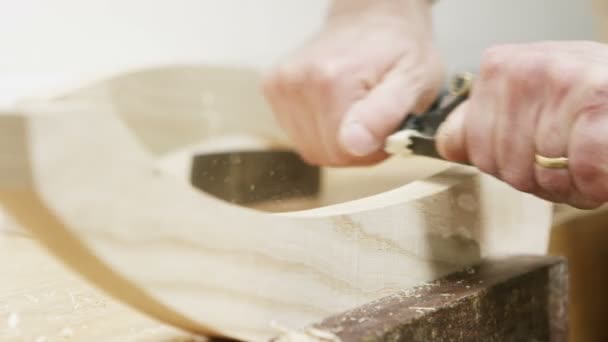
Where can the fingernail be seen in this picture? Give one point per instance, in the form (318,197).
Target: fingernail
(358,140)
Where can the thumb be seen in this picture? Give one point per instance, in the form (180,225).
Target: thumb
(450,138)
(371,120)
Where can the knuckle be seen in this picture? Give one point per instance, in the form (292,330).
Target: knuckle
(597,101)
(493,60)
(292,76)
(288,75)
(532,68)
(587,172)
(564,76)
(325,74)
(600,88)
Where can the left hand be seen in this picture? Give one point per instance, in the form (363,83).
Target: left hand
(548,98)
(341,94)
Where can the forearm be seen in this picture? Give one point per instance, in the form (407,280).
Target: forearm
(401,7)
(395,6)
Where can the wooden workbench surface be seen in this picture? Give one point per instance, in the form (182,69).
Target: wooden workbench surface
(42,301)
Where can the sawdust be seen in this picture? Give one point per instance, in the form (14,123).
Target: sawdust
(67,332)
(13,320)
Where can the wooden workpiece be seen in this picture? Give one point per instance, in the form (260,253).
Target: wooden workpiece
(93,169)
(43,301)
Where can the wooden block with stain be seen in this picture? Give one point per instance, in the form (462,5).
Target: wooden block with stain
(512,299)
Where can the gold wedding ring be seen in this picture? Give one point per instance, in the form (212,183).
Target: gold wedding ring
(552,163)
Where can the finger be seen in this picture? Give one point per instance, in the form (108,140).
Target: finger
(589,155)
(372,119)
(554,128)
(515,125)
(451,142)
(291,108)
(479,133)
(580,201)
(330,92)
(321,94)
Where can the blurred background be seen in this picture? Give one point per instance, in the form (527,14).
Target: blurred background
(41,39)
(70,35)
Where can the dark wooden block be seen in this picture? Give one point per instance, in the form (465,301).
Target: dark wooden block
(515,299)
(247,177)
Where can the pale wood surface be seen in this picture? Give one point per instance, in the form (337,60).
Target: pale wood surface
(43,301)
(82,173)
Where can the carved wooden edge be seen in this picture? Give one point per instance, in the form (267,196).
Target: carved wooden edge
(513,299)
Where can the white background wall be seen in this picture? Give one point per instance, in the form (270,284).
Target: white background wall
(465,27)
(73,35)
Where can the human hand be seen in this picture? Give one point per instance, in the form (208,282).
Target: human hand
(345,91)
(548,98)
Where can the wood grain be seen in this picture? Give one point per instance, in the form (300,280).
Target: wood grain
(81,171)
(42,301)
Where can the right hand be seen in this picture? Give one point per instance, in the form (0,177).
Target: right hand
(544,98)
(344,92)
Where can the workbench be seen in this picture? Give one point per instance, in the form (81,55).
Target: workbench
(42,301)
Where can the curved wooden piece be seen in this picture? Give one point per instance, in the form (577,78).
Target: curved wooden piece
(82,172)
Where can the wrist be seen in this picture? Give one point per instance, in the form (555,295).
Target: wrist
(394,7)
(416,13)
